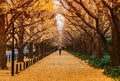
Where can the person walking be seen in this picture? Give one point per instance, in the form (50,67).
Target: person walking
(60,50)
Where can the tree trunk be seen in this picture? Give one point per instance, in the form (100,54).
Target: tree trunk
(90,48)
(84,48)
(3,61)
(37,50)
(20,55)
(20,47)
(114,19)
(99,49)
(30,50)
(2,41)
(40,48)
(115,55)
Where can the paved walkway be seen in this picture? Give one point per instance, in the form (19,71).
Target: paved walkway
(63,67)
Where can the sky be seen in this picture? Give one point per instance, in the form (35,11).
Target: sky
(60,21)
(59,17)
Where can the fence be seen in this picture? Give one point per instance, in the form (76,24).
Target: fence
(24,65)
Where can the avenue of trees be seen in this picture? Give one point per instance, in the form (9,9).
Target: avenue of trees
(30,21)
(93,26)
(90,26)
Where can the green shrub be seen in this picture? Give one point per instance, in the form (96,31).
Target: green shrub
(97,63)
(100,63)
(81,56)
(113,72)
(84,57)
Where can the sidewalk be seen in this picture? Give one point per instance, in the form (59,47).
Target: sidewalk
(57,67)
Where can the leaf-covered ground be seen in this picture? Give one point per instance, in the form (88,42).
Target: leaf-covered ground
(57,67)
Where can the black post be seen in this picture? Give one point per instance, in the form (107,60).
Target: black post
(20,67)
(12,65)
(27,64)
(24,65)
(16,68)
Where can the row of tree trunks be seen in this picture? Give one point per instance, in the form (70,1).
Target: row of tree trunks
(103,8)
(85,45)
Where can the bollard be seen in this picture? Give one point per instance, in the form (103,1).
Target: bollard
(20,66)
(34,60)
(29,63)
(24,65)
(16,68)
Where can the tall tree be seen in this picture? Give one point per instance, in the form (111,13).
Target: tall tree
(114,18)
(2,38)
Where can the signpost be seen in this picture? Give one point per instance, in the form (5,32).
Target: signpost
(12,63)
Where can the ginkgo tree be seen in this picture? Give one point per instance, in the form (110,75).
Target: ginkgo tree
(103,19)
(37,15)
(22,14)
(10,11)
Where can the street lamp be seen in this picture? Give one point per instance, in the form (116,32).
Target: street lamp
(12,63)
